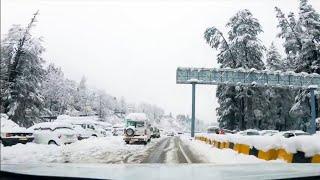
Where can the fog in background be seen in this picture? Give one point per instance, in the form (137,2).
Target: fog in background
(132,49)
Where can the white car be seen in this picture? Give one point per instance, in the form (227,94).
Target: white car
(249,132)
(92,129)
(54,133)
(137,128)
(12,133)
(268,132)
(292,133)
(81,133)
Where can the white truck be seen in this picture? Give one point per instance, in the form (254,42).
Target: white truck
(137,128)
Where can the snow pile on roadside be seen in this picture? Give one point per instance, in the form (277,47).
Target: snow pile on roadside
(31,153)
(92,150)
(308,144)
(210,154)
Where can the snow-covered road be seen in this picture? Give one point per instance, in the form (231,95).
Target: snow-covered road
(114,150)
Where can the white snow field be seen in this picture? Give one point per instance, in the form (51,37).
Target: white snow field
(93,150)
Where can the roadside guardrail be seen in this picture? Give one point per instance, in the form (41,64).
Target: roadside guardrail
(292,150)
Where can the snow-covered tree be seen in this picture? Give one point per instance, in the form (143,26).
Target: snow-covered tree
(21,55)
(301,41)
(240,107)
(309,23)
(273,58)
(53,89)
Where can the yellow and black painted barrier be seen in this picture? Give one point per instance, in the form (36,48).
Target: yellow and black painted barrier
(271,154)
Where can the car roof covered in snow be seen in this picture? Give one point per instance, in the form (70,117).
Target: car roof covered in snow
(7,125)
(137,117)
(51,125)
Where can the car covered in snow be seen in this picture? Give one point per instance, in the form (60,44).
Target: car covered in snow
(54,133)
(249,132)
(137,128)
(268,132)
(118,130)
(12,133)
(89,123)
(293,133)
(213,129)
(155,132)
(81,132)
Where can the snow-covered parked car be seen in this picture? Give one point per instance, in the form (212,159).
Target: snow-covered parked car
(88,123)
(54,133)
(293,133)
(249,132)
(137,128)
(117,130)
(12,133)
(268,132)
(155,132)
(91,128)
(81,132)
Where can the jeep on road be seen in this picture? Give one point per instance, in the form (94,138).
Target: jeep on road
(137,128)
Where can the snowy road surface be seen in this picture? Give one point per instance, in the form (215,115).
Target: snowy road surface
(114,150)
(170,150)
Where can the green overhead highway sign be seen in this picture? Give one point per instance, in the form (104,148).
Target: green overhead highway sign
(252,77)
(247,78)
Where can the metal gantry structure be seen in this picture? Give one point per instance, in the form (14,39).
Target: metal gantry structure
(252,77)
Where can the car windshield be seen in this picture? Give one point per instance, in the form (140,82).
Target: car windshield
(301,134)
(135,123)
(252,133)
(58,128)
(160,89)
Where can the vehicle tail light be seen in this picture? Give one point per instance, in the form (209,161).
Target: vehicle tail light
(8,135)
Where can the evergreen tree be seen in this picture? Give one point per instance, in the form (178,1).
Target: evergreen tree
(240,107)
(53,90)
(21,57)
(273,58)
(302,37)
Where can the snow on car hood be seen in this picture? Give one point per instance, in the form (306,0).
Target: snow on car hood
(7,125)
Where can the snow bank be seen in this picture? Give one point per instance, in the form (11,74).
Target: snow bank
(210,154)
(92,150)
(308,144)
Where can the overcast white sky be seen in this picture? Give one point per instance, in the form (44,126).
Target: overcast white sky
(132,48)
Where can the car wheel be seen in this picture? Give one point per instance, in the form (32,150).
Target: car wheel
(127,142)
(94,135)
(52,142)
(145,142)
(149,140)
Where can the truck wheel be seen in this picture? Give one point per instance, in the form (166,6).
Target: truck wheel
(127,142)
